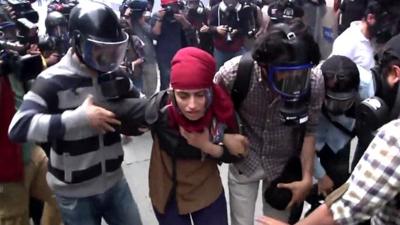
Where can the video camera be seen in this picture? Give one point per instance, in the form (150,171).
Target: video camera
(172,9)
(53,44)
(25,67)
(116,85)
(18,9)
(17,32)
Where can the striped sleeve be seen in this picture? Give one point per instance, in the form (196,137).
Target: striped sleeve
(38,119)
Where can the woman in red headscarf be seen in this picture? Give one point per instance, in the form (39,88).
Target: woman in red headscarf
(191,138)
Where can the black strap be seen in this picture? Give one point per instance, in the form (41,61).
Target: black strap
(242,81)
(336,124)
(394,114)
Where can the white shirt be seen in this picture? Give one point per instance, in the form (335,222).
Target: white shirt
(353,44)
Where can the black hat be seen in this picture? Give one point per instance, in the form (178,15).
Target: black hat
(342,77)
(392,47)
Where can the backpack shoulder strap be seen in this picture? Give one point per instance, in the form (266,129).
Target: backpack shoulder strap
(242,81)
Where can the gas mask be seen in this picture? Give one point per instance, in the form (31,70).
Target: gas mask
(289,77)
(292,83)
(228,6)
(195,7)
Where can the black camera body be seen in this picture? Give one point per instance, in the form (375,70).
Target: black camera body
(116,85)
(50,44)
(23,9)
(169,13)
(27,31)
(25,67)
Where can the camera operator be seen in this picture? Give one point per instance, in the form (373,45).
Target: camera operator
(141,55)
(227,26)
(255,24)
(382,108)
(55,43)
(21,62)
(170,28)
(197,14)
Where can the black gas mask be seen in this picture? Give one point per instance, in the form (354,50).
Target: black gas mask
(229,6)
(195,7)
(290,78)
(292,83)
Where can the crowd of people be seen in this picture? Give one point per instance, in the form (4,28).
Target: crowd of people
(241,82)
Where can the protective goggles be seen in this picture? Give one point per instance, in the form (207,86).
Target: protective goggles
(290,81)
(339,102)
(104,56)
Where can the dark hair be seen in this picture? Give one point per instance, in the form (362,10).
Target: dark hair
(275,46)
(385,63)
(374,8)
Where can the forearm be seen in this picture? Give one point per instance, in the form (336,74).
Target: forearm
(185,24)
(157,27)
(213,150)
(33,123)
(307,156)
(321,216)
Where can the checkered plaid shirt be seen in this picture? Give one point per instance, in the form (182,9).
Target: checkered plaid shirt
(374,189)
(271,142)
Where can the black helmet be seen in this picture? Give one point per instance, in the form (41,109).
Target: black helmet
(342,81)
(138,5)
(97,36)
(56,24)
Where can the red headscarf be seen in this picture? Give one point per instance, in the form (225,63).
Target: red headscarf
(193,68)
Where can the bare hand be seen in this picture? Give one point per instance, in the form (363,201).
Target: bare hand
(198,140)
(299,189)
(265,220)
(221,30)
(236,144)
(161,13)
(99,118)
(234,31)
(325,185)
(204,28)
(137,62)
(33,49)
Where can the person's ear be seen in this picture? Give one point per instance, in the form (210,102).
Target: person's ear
(396,73)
